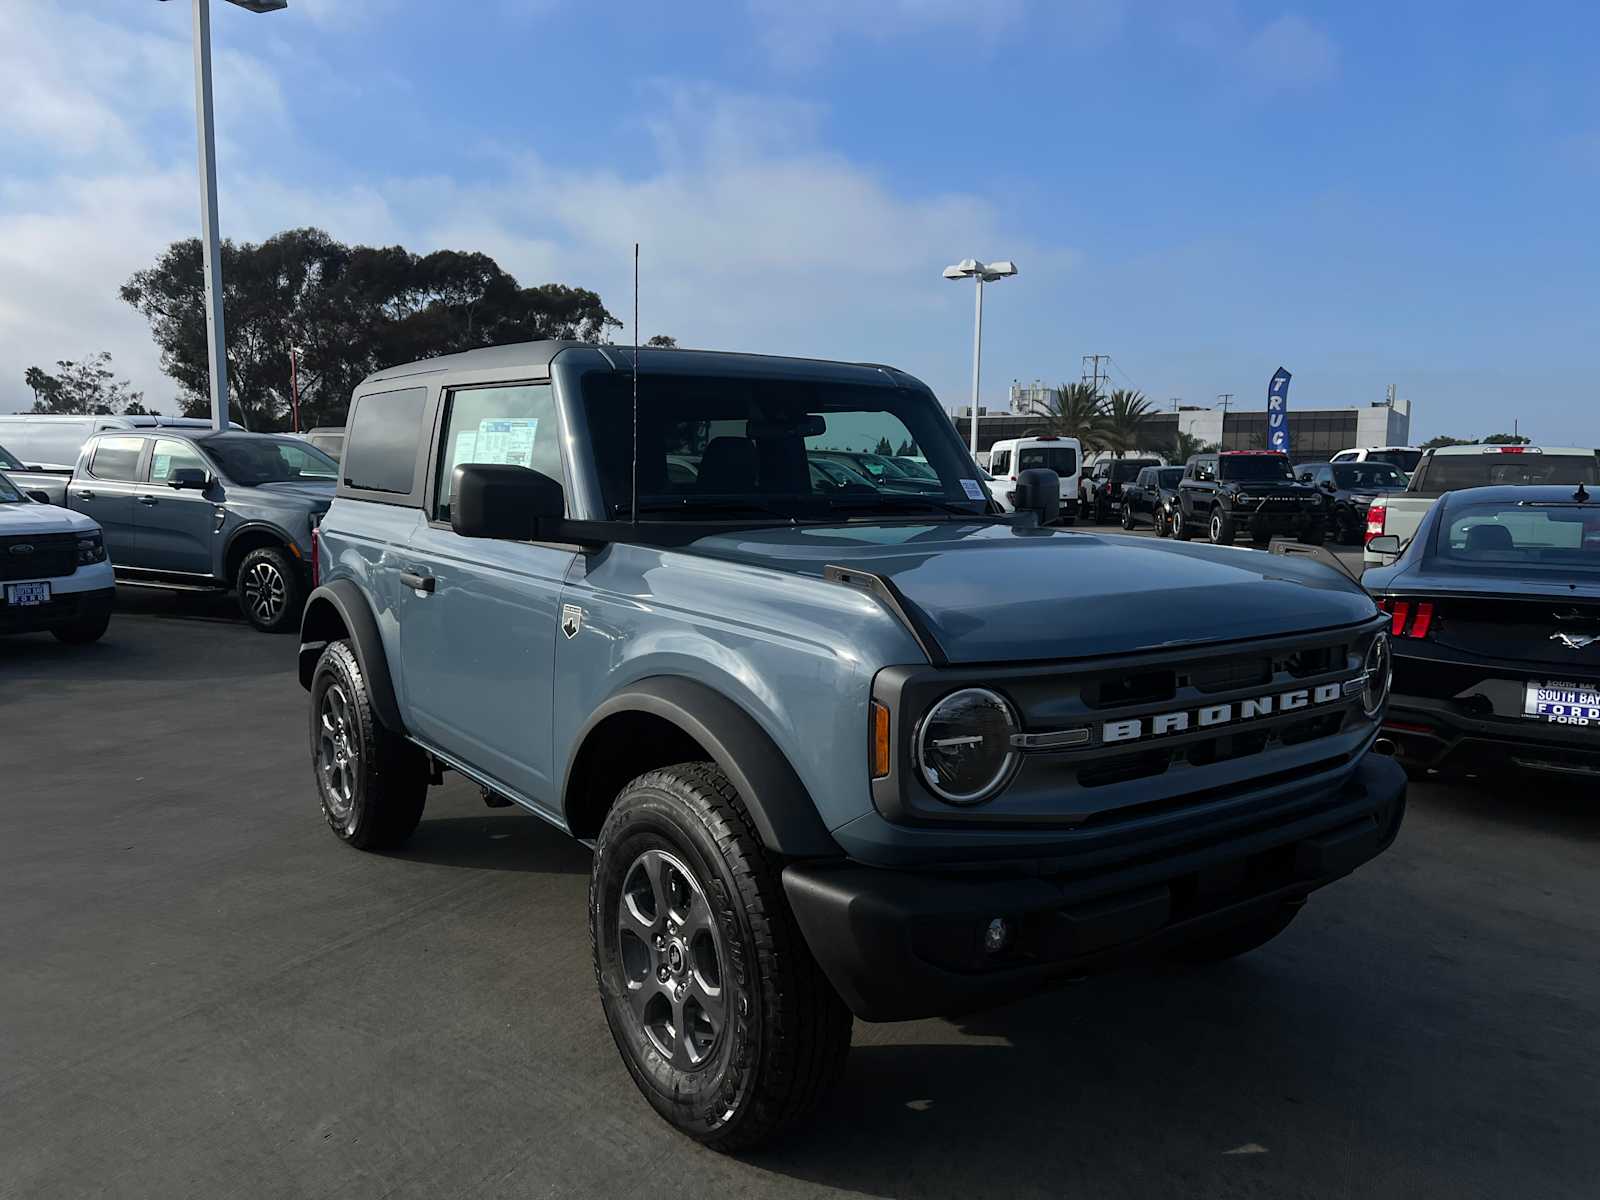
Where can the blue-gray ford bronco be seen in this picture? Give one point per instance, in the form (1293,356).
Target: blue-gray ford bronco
(840,747)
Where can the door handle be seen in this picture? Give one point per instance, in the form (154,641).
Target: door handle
(149,501)
(422,583)
(86,494)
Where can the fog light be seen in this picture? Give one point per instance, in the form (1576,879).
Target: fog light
(996,936)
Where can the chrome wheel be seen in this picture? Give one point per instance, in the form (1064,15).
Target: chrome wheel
(671,958)
(265,592)
(1216,526)
(338,759)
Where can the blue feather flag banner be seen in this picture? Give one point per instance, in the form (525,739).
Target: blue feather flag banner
(1278,411)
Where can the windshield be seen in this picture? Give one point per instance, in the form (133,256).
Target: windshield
(1406,460)
(1129,468)
(1561,537)
(1063,460)
(9,493)
(1255,468)
(1453,472)
(1168,477)
(7,462)
(1374,476)
(249,461)
(735,447)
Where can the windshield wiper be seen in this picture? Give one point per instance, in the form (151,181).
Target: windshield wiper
(900,500)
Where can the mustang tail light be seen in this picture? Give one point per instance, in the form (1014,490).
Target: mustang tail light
(1377,517)
(1408,618)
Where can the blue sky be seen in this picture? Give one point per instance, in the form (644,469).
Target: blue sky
(1366,193)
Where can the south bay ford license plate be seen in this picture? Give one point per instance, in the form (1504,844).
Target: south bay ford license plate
(1562,703)
(23,595)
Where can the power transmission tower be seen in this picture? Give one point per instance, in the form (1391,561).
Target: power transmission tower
(1091,369)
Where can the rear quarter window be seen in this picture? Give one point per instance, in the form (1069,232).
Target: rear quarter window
(380,453)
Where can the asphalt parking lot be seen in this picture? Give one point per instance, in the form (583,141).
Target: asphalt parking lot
(205,994)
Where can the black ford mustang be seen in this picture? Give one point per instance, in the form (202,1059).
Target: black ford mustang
(1495,629)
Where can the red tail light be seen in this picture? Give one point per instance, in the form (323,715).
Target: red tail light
(1408,618)
(316,559)
(1377,517)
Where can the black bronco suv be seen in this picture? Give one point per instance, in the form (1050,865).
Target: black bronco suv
(1248,491)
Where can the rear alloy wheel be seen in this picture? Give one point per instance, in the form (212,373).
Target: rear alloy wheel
(721,1015)
(1127,516)
(1222,530)
(372,782)
(271,594)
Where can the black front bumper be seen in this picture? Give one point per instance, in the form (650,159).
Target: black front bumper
(1288,520)
(900,945)
(1448,735)
(64,609)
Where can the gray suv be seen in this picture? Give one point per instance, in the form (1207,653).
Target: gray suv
(841,748)
(195,509)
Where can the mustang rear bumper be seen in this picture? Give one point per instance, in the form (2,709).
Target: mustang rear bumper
(1441,735)
(899,945)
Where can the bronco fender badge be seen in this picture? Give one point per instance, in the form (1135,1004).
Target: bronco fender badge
(571,620)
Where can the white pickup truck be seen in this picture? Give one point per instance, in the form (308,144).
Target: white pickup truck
(53,569)
(1453,468)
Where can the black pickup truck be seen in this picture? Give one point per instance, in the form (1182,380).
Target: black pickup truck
(1248,491)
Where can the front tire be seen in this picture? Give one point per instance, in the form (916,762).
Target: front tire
(84,630)
(372,782)
(271,593)
(1180,527)
(1158,522)
(1127,516)
(721,1015)
(1222,528)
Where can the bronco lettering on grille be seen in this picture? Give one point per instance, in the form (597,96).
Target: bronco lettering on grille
(1135,728)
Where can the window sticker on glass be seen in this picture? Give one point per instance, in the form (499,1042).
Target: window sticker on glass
(466,448)
(505,440)
(973,489)
(160,466)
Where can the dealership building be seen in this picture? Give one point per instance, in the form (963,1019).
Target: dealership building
(1314,433)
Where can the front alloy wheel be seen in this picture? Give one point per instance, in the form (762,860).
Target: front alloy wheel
(270,591)
(671,959)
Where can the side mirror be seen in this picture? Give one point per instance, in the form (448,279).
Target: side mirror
(492,500)
(39,496)
(1384,543)
(189,479)
(1039,491)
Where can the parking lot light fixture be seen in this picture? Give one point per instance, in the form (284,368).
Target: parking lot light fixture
(971,268)
(210,241)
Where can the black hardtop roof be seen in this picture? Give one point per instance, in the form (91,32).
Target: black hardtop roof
(533,359)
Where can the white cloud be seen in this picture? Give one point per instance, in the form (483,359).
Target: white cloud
(754,236)
(1291,53)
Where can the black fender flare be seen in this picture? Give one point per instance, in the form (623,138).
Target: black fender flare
(361,628)
(785,818)
(260,527)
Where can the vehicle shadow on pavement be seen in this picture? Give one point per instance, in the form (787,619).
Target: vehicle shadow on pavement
(127,654)
(507,841)
(1561,806)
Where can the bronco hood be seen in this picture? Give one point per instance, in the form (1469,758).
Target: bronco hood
(990,593)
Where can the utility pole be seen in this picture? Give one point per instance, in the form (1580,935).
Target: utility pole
(1225,398)
(1091,370)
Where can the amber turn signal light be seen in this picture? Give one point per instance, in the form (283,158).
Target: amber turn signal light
(880,740)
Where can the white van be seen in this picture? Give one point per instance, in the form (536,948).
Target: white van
(50,442)
(1063,455)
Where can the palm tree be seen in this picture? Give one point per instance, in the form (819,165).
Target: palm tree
(1185,446)
(1075,410)
(1127,414)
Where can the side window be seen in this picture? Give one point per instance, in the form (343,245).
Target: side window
(168,456)
(511,425)
(1324,475)
(1206,469)
(381,450)
(1002,463)
(116,458)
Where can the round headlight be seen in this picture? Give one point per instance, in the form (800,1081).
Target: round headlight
(963,746)
(1380,671)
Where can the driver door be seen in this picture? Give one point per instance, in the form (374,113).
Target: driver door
(176,528)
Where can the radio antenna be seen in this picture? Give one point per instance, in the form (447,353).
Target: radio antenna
(636,383)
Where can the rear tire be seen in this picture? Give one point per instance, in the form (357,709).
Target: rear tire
(682,885)
(1158,521)
(1127,516)
(1241,939)
(372,782)
(84,630)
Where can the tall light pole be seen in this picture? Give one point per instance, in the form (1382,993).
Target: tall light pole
(210,241)
(971,268)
